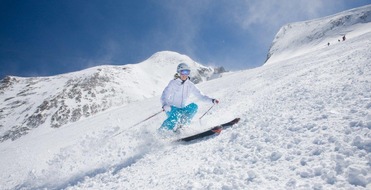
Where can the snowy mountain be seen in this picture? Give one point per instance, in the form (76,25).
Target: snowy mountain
(27,103)
(305,124)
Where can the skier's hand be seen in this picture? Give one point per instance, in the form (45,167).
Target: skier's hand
(215,101)
(166,108)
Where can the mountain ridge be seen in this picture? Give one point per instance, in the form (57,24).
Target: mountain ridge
(295,38)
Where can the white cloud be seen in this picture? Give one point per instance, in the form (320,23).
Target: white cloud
(273,14)
(185,20)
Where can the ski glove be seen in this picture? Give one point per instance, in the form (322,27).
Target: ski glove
(215,101)
(166,108)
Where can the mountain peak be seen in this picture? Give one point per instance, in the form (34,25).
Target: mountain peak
(169,56)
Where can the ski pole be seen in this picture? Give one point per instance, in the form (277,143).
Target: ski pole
(140,122)
(147,118)
(206,112)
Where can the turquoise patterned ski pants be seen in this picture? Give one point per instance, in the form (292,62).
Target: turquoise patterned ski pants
(179,116)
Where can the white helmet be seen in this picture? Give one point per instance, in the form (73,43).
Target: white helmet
(181,67)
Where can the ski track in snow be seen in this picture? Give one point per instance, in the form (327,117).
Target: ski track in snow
(305,124)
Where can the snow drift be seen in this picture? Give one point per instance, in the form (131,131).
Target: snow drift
(305,124)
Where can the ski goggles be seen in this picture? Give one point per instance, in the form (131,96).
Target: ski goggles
(185,72)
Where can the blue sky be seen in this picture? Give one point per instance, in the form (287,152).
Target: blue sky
(49,37)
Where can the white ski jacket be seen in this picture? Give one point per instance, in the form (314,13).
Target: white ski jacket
(177,92)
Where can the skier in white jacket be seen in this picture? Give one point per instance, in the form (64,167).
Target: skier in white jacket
(174,99)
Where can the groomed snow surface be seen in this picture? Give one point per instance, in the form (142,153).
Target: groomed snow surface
(305,124)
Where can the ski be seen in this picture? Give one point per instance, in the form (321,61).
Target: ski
(215,130)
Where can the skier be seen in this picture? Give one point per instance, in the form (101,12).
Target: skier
(174,100)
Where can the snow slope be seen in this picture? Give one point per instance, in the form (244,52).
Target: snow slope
(306,124)
(295,39)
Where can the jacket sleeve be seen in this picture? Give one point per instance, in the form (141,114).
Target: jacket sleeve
(199,94)
(165,94)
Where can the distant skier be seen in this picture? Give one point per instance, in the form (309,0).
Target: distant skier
(174,99)
(344,38)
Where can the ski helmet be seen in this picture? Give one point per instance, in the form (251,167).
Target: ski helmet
(181,67)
